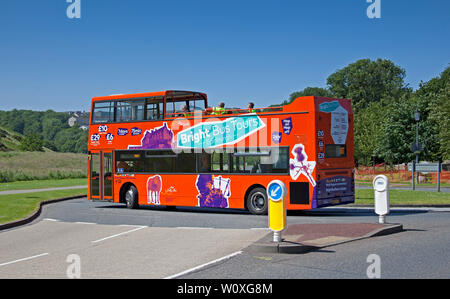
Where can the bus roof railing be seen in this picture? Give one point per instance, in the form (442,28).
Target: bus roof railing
(227,112)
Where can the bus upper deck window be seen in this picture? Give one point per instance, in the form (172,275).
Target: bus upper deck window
(130,110)
(155,108)
(103,112)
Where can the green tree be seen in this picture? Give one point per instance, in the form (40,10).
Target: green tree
(31,143)
(367,81)
(399,131)
(368,131)
(436,94)
(72,140)
(308,91)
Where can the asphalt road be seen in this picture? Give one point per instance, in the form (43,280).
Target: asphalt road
(114,242)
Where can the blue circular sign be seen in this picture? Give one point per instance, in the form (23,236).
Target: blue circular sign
(275,191)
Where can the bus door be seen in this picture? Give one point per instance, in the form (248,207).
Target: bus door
(101,175)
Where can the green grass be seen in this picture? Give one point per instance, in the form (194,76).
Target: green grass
(18,206)
(41,184)
(27,166)
(402,183)
(9,140)
(405,197)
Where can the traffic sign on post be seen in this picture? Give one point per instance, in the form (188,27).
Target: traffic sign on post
(276,192)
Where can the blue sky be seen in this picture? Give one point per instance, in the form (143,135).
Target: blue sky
(235,51)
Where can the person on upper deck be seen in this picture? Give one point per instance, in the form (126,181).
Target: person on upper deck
(185,111)
(250,107)
(220,109)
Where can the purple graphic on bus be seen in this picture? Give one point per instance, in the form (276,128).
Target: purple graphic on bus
(300,164)
(154,187)
(157,138)
(213,191)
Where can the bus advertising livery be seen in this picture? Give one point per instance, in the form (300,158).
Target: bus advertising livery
(169,148)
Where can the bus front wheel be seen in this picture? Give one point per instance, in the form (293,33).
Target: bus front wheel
(256,201)
(131,197)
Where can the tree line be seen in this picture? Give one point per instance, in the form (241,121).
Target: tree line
(47,129)
(383,104)
(384,107)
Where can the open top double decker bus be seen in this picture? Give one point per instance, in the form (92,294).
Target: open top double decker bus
(169,148)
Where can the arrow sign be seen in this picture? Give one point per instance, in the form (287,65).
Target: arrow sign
(275,191)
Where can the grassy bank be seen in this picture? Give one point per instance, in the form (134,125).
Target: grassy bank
(405,197)
(41,184)
(18,206)
(27,166)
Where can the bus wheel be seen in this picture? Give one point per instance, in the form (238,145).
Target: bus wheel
(131,197)
(257,201)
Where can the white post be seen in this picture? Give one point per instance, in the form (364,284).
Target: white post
(381,187)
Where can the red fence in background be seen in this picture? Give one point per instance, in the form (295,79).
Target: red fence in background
(397,174)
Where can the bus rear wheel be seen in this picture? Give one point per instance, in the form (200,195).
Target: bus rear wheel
(131,197)
(256,201)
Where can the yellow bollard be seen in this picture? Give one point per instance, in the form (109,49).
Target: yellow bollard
(276,192)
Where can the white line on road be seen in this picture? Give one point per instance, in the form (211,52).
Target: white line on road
(24,259)
(204,265)
(117,235)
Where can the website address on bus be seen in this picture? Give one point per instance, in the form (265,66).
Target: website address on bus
(225,288)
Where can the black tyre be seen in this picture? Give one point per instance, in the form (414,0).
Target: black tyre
(131,197)
(257,202)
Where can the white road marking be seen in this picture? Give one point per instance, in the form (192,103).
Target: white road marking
(117,235)
(50,219)
(85,222)
(24,259)
(204,265)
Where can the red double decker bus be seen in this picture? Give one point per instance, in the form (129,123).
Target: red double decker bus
(168,148)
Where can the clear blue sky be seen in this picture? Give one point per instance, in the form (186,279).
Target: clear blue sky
(235,51)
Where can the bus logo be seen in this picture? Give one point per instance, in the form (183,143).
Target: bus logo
(122,132)
(329,106)
(136,131)
(213,134)
(276,137)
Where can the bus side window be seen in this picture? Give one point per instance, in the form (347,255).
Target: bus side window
(220,162)
(155,108)
(170,107)
(185,163)
(130,110)
(103,112)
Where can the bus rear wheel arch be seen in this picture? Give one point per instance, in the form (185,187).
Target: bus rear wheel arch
(129,196)
(256,201)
